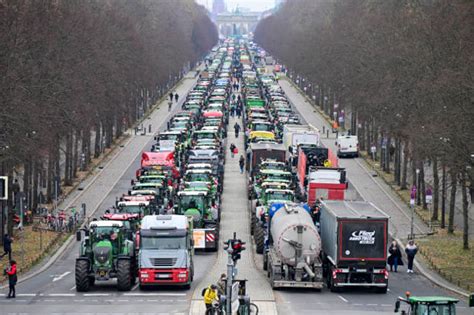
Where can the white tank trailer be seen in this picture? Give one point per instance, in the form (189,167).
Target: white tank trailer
(292,258)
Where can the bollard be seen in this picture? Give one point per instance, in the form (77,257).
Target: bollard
(149,128)
(324,129)
(327,133)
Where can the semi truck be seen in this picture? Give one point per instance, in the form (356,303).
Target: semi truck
(292,257)
(166,251)
(325,183)
(354,238)
(294,135)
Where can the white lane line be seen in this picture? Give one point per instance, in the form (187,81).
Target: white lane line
(73,288)
(357,304)
(26,294)
(49,300)
(59,277)
(342,298)
(154,294)
(61,294)
(96,294)
(152,300)
(386,305)
(122,300)
(371,304)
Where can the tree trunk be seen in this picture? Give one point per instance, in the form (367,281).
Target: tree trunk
(423,185)
(443,196)
(403,184)
(397,163)
(452,201)
(465,212)
(435,190)
(36,175)
(75,153)
(97,142)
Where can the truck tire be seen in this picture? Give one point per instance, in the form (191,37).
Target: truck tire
(124,275)
(252,223)
(265,261)
(381,290)
(82,276)
(259,238)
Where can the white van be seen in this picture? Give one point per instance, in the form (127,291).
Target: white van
(347,146)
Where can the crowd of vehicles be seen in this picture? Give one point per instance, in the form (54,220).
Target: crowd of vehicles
(173,205)
(310,236)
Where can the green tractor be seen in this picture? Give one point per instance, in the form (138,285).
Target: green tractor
(107,252)
(421,305)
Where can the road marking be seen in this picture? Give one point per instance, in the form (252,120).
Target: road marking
(357,304)
(96,294)
(371,304)
(73,288)
(154,294)
(49,300)
(61,276)
(61,294)
(342,298)
(386,305)
(26,294)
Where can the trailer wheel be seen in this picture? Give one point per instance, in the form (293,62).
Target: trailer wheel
(259,238)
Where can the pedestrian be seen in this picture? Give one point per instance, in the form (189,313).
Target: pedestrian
(395,258)
(241,164)
(221,284)
(176,97)
(7,246)
(210,295)
(411,251)
(170,104)
(236,129)
(239,111)
(236,151)
(232,148)
(233,97)
(171,96)
(12,279)
(232,109)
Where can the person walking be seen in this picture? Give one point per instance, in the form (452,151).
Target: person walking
(171,96)
(238,111)
(210,295)
(221,284)
(395,258)
(241,164)
(170,104)
(236,129)
(12,279)
(232,148)
(7,246)
(411,249)
(176,97)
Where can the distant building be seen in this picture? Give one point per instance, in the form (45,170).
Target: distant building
(237,22)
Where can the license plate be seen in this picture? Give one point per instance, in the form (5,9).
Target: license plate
(162,276)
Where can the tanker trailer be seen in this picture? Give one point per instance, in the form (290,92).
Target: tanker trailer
(292,256)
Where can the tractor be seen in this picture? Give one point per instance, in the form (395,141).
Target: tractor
(107,252)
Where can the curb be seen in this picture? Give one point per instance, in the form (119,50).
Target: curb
(427,274)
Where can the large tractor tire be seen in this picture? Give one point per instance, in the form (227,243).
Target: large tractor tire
(252,223)
(124,275)
(259,236)
(83,282)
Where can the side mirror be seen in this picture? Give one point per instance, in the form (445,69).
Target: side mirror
(397,306)
(78,236)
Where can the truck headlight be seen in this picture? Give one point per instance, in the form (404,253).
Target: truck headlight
(144,275)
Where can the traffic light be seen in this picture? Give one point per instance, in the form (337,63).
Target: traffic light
(3,187)
(237,248)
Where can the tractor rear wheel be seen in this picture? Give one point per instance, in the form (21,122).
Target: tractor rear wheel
(124,275)
(258,235)
(82,276)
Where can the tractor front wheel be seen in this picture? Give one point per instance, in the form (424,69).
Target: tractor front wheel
(82,276)
(124,275)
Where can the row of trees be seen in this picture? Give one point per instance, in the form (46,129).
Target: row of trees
(402,68)
(75,74)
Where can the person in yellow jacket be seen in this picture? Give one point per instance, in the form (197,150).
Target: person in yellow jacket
(327,163)
(210,295)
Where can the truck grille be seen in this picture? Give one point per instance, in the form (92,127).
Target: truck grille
(163,262)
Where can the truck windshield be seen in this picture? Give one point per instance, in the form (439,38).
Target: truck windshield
(131,209)
(280,195)
(444,309)
(163,242)
(192,202)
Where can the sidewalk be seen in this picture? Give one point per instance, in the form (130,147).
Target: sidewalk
(95,188)
(235,218)
(373,189)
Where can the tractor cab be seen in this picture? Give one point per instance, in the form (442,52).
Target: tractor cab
(427,305)
(198,205)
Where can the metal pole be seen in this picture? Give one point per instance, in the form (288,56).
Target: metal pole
(230,279)
(412,221)
(20,226)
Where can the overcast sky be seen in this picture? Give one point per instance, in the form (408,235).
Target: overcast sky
(254,5)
